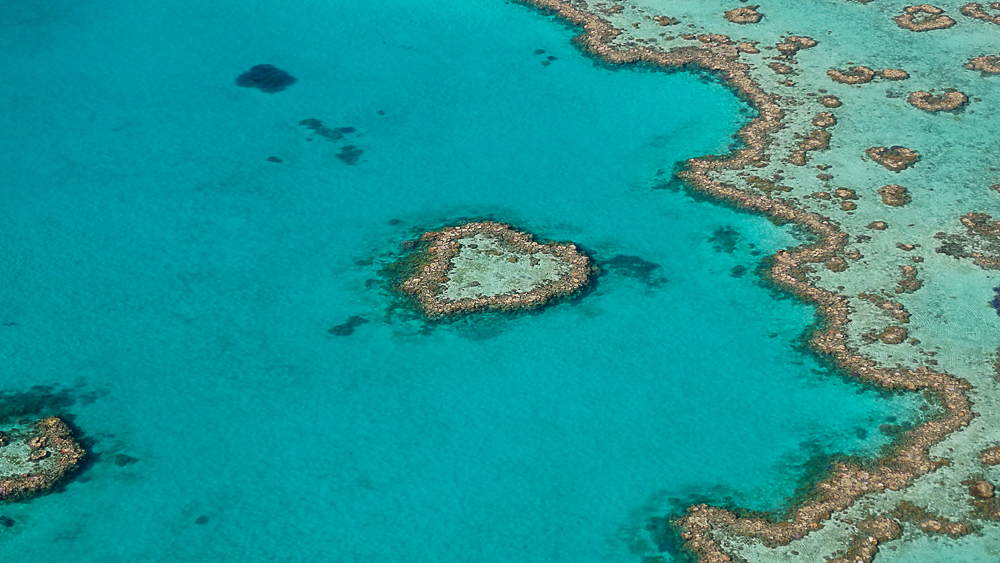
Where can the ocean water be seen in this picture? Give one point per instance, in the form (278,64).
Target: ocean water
(172,290)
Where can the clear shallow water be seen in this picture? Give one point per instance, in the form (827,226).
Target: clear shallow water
(181,286)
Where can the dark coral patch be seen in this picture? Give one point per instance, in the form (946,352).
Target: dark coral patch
(121,460)
(724,239)
(634,267)
(996,300)
(349,154)
(328,133)
(266,78)
(347,328)
(44,400)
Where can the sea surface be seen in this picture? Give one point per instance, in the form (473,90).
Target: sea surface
(171,290)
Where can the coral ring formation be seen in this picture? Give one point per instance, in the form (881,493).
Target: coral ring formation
(487,266)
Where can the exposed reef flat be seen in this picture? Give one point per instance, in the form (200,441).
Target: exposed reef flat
(35,457)
(490,266)
(884,321)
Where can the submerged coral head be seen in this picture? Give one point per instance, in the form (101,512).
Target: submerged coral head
(266,78)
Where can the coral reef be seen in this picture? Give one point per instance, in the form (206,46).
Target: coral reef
(706,529)
(990,456)
(744,14)
(980,241)
(863,548)
(895,158)
(853,75)
(986,64)
(489,266)
(265,78)
(893,74)
(894,195)
(949,101)
(893,309)
(924,17)
(930,523)
(978,11)
(817,140)
(830,101)
(37,458)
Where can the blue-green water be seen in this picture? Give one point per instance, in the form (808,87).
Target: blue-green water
(176,287)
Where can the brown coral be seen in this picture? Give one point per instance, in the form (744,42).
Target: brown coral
(853,75)
(986,64)
(893,74)
(949,101)
(781,68)
(981,489)
(894,195)
(824,119)
(830,101)
(53,434)
(908,283)
(990,456)
(924,17)
(979,223)
(797,158)
(439,248)
(793,43)
(975,10)
(743,15)
(893,335)
(895,158)
(817,140)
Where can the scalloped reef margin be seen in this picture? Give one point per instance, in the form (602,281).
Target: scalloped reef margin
(909,458)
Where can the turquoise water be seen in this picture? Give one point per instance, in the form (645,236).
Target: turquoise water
(175,289)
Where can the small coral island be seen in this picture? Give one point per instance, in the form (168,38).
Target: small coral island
(35,457)
(488,266)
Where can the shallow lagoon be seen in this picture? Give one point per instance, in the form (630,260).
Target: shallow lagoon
(180,286)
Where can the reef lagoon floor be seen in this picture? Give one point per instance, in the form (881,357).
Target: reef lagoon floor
(195,275)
